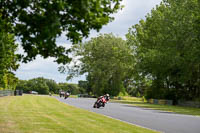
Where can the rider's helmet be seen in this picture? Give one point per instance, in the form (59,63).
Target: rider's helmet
(107,97)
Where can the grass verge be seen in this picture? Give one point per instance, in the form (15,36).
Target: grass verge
(170,108)
(44,114)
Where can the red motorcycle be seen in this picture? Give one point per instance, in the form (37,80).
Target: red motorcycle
(101,101)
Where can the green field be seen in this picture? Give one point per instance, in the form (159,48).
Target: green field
(176,109)
(44,114)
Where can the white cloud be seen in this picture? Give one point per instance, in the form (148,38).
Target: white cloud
(134,11)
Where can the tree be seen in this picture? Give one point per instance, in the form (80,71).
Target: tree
(23,85)
(39,85)
(106,59)
(53,86)
(8,58)
(37,23)
(73,88)
(84,86)
(167,49)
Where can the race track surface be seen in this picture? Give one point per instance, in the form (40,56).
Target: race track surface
(163,121)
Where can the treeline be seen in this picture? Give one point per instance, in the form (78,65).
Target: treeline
(160,57)
(46,86)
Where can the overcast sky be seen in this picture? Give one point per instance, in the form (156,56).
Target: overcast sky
(131,14)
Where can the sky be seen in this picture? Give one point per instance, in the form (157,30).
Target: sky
(131,14)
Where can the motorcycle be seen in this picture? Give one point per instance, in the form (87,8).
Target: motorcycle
(67,94)
(101,101)
(61,93)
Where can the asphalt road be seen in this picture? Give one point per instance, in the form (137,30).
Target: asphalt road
(157,120)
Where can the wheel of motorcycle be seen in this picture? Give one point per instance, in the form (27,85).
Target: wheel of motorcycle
(98,105)
(103,105)
(95,105)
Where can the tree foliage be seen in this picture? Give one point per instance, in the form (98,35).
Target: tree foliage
(53,86)
(39,85)
(8,58)
(36,84)
(167,49)
(23,85)
(84,86)
(107,60)
(46,86)
(37,23)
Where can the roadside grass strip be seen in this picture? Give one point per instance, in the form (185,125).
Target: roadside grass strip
(44,114)
(169,108)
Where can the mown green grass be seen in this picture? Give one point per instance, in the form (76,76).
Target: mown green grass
(44,114)
(176,109)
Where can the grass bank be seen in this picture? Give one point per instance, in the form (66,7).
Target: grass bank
(44,114)
(170,108)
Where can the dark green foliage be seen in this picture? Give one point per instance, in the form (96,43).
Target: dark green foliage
(167,50)
(39,22)
(23,85)
(84,86)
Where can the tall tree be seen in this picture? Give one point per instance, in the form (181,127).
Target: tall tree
(8,58)
(37,23)
(106,60)
(167,49)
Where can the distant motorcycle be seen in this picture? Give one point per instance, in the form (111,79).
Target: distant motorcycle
(67,94)
(101,101)
(62,93)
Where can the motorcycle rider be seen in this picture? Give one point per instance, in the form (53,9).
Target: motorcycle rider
(107,97)
(102,100)
(67,94)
